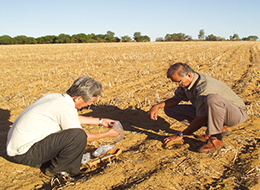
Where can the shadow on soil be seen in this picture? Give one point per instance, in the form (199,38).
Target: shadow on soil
(244,174)
(137,120)
(4,128)
(133,120)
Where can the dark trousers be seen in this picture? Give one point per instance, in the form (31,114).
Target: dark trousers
(220,112)
(62,150)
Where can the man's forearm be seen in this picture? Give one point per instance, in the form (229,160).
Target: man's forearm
(171,102)
(167,103)
(96,136)
(88,120)
(195,125)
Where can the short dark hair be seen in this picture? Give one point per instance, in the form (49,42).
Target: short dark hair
(86,87)
(182,69)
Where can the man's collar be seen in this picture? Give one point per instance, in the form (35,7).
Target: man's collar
(195,78)
(69,98)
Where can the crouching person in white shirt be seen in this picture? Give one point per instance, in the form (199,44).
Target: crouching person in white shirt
(49,132)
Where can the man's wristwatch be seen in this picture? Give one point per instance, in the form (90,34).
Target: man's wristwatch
(100,121)
(181,134)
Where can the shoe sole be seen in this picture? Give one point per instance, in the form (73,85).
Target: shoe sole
(211,151)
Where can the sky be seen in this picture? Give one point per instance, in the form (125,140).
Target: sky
(154,18)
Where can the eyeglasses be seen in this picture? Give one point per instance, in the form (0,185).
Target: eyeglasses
(180,82)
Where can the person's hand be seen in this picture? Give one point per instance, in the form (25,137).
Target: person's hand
(172,139)
(113,133)
(107,122)
(154,112)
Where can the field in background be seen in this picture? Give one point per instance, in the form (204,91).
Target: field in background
(134,78)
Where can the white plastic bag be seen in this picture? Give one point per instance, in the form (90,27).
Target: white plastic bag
(103,149)
(119,128)
(85,158)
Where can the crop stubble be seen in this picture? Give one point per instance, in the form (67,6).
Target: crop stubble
(134,78)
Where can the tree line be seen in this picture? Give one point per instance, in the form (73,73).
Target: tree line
(110,37)
(76,38)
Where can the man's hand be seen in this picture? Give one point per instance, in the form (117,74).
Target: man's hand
(172,139)
(113,133)
(107,122)
(154,112)
(96,136)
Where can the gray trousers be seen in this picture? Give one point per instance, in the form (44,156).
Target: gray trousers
(220,113)
(62,151)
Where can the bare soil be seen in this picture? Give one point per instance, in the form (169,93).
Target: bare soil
(134,79)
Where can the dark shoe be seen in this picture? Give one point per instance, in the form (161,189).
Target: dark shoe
(206,137)
(50,173)
(212,145)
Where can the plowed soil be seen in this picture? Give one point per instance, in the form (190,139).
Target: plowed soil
(134,78)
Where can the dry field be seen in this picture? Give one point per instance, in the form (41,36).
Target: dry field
(134,78)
